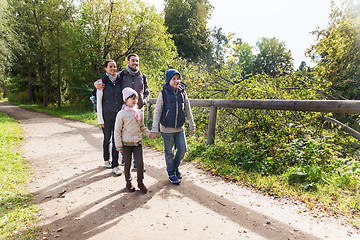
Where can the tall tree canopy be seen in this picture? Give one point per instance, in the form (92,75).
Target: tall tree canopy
(273,58)
(187,22)
(242,57)
(36,23)
(337,51)
(8,38)
(89,32)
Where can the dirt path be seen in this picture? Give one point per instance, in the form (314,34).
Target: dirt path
(81,199)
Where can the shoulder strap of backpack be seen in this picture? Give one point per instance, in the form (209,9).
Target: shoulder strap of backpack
(122,73)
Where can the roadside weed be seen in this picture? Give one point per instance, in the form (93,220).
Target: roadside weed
(18,212)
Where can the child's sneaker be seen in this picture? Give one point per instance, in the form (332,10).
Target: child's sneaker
(178,174)
(174,179)
(116,171)
(107,164)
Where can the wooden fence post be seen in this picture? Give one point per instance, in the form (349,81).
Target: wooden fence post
(211,125)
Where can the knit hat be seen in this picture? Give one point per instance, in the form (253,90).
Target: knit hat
(170,73)
(127,92)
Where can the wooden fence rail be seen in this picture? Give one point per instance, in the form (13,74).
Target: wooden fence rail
(334,106)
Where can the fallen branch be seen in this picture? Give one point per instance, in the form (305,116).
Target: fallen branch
(342,126)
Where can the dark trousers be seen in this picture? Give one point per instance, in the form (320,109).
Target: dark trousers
(108,130)
(138,158)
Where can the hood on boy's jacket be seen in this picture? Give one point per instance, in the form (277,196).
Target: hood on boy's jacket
(170,73)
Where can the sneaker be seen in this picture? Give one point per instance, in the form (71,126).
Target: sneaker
(174,179)
(116,171)
(107,164)
(142,188)
(178,174)
(130,187)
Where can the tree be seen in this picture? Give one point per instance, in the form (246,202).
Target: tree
(106,29)
(337,51)
(37,62)
(8,41)
(187,22)
(220,46)
(273,58)
(242,57)
(4,41)
(89,32)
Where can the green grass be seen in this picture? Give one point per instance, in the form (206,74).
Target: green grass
(337,194)
(68,112)
(18,212)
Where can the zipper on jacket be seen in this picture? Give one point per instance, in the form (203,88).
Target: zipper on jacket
(177,110)
(166,114)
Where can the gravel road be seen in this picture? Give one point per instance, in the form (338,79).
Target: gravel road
(81,199)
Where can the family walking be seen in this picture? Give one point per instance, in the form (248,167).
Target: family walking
(121,97)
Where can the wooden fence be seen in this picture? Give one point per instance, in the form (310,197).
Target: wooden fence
(334,106)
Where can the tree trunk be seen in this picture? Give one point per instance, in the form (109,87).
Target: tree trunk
(31,92)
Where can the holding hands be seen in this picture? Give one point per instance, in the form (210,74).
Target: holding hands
(154,135)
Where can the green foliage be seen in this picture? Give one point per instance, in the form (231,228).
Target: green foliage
(273,57)
(242,58)
(7,39)
(186,21)
(337,51)
(220,44)
(89,32)
(18,213)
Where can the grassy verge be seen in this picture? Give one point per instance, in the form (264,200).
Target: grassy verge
(68,112)
(336,195)
(18,211)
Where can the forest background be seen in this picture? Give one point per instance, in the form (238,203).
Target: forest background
(53,50)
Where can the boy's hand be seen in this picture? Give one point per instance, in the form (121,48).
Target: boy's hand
(192,130)
(102,125)
(99,85)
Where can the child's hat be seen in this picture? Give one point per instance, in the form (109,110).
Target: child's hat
(170,73)
(127,92)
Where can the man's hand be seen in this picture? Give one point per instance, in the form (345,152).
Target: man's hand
(102,125)
(192,130)
(99,85)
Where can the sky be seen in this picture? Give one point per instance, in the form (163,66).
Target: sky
(290,21)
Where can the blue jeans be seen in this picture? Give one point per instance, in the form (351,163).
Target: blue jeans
(123,161)
(174,141)
(108,130)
